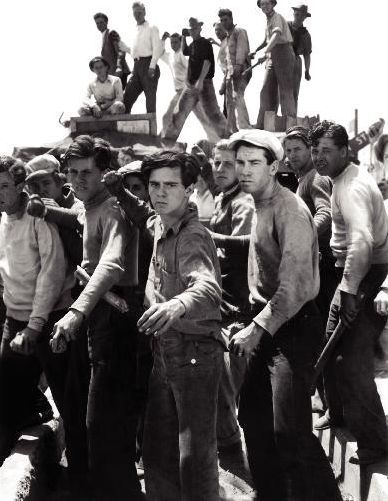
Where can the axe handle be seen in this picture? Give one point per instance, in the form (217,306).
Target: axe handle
(110,297)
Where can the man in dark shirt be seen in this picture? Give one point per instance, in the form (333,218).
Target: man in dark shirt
(302,46)
(199,86)
(110,50)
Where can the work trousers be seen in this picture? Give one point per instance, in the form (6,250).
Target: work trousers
(237,112)
(350,388)
(111,411)
(278,83)
(19,379)
(297,79)
(198,112)
(188,101)
(233,373)
(286,460)
(180,446)
(114,109)
(138,82)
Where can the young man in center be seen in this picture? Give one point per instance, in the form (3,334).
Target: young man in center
(183,296)
(286,459)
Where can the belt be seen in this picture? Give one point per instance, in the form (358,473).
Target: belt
(139,58)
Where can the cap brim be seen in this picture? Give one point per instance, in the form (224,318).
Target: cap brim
(38,174)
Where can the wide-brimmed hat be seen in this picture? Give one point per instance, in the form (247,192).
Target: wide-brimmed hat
(260,138)
(303,8)
(194,23)
(380,146)
(42,165)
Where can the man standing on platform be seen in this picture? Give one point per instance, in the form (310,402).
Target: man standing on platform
(146,49)
(279,58)
(110,50)
(236,46)
(199,86)
(302,46)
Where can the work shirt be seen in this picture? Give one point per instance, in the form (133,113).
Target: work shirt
(277,23)
(233,216)
(33,269)
(315,191)
(199,51)
(178,65)
(236,48)
(283,264)
(302,40)
(360,226)
(184,266)
(146,43)
(101,92)
(109,250)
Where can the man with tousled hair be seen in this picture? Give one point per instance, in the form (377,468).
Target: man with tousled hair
(360,245)
(110,259)
(36,292)
(183,296)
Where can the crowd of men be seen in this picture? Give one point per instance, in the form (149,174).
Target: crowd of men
(193,69)
(205,290)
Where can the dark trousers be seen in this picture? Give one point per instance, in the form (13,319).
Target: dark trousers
(188,101)
(180,446)
(233,373)
(286,460)
(350,389)
(19,378)
(139,82)
(278,83)
(111,411)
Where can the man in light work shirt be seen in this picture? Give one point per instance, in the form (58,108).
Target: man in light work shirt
(199,86)
(146,50)
(236,46)
(279,57)
(360,245)
(178,64)
(285,458)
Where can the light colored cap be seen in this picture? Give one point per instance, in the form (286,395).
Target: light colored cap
(131,168)
(42,165)
(260,138)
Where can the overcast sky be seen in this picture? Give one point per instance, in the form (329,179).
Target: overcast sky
(46,46)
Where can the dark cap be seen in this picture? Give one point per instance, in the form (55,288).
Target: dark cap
(298,132)
(303,8)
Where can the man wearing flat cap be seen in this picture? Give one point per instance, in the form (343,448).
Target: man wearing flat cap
(302,46)
(285,458)
(199,86)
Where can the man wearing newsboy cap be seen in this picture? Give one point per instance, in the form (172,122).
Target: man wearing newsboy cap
(285,458)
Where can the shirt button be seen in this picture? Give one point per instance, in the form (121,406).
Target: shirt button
(193,361)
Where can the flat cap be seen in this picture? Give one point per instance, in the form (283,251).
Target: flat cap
(260,138)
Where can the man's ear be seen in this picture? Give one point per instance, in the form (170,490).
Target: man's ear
(20,187)
(189,190)
(274,167)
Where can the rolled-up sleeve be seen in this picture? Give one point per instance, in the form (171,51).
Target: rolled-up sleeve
(157,48)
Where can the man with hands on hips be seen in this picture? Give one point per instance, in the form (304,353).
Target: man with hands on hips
(285,458)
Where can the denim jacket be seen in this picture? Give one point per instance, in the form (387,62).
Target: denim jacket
(184,266)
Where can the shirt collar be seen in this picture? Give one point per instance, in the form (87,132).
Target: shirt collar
(98,199)
(190,213)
